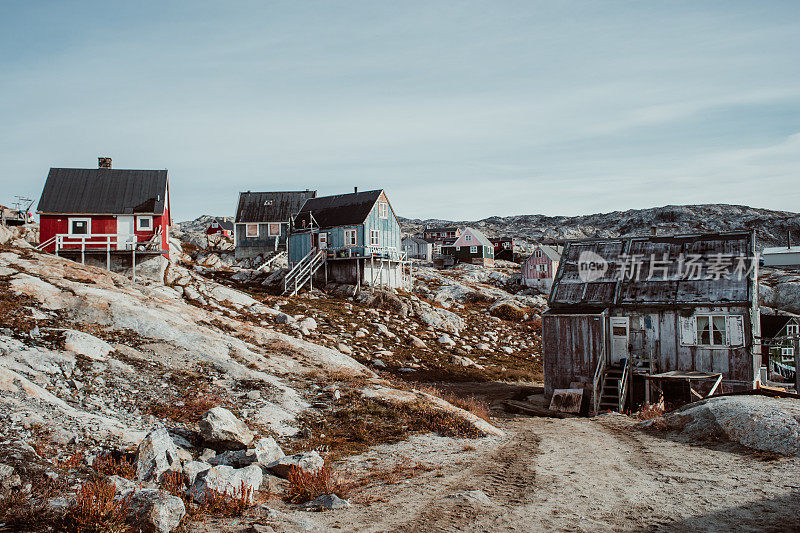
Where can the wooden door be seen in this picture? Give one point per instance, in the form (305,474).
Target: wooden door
(620,339)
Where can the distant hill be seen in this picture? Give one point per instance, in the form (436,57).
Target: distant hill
(771,226)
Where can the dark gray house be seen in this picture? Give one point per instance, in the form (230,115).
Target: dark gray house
(262,220)
(637,315)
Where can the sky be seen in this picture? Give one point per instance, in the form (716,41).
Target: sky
(460,110)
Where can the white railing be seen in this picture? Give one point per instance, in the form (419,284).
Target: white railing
(271,260)
(102,241)
(597,383)
(303,271)
(386,252)
(623,385)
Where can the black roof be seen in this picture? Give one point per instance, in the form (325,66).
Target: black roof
(772,325)
(572,287)
(224,224)
(339,209)
(271,206)
(104,191)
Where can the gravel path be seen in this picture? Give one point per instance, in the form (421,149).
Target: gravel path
(577,475)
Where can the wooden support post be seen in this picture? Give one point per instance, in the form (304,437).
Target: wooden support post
(797,363)
(133,263)
(325,259)
(83,251)
(108,253)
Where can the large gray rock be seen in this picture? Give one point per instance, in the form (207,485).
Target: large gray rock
(221,428)
(156,511)
(87,345)
(305,461)
(267,451)
(227,480)
(761,423)
(156,454)
(191,469)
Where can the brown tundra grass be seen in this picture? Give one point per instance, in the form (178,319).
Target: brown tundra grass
(226,504)
(108,466)
(472,404)
(305,486)
(648,412)
(96,510)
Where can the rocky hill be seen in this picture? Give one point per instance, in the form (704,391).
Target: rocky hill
(771,226)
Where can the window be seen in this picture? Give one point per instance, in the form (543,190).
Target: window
(467,238)
(792,330)
(473,249)
(787,353)
(374,237)
(506,245)
(349,237)
(251,230)
(537,253)
(274,229)
(541,268)
(144,223)
(383,210)
(711,331)
(80,226)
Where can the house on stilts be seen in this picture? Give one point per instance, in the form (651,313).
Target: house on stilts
(351,239)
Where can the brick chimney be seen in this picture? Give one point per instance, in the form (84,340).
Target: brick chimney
(103,162)
(355,189)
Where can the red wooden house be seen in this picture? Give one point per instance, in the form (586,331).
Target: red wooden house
(105,211)
(220,226)
(540,268)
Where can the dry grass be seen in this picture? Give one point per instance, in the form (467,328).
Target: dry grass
(648,412)
(96,510)
(72,462)
(107,465)
(471,404)
(305,486)
(226,504)
(189,410)
(357,423)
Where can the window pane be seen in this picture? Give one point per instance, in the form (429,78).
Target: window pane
(703,330)
(80,227)
(718,324)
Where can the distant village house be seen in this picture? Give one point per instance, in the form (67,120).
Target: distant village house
(417,248)
(539,269)
(262,220)
(471,247)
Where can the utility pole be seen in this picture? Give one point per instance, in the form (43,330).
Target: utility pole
(796,343)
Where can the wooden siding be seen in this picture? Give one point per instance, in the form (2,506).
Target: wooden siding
(252,246)
(572,346)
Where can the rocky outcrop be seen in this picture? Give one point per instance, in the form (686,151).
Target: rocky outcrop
(765,424)
(156,455)
(305,461)
(219,427)
(155,511)
(227,480)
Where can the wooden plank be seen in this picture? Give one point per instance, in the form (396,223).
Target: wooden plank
(531,409)
(567,400)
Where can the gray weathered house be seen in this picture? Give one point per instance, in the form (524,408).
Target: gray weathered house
(632,315)
(262,220)
(417,248)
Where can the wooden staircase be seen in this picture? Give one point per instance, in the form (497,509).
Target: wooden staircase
(303,272)
(610,392)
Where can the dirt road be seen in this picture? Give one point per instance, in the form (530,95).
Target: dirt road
(573,475)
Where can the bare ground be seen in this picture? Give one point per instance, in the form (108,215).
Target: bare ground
(575,475)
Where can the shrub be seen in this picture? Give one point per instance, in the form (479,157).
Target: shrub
(107,465)
(472,404)
(648,412)
(305,486)
(191,409)
(227,504)
(96,510)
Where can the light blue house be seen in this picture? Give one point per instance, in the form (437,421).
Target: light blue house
(358,236)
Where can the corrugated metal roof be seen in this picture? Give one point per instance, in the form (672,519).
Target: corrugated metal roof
(340,209)
(781,250)
(103,191)
(277,206)
(651,279)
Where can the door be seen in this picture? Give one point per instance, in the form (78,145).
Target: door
(126,235)
(620,333)
(322,240)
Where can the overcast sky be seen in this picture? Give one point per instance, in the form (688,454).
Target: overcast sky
(460,110)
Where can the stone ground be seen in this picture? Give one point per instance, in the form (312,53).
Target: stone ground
(576,474)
